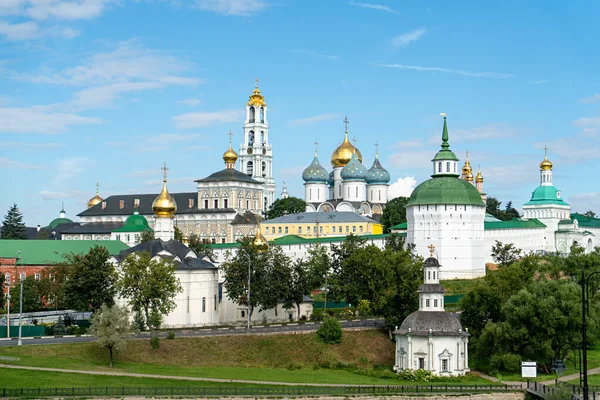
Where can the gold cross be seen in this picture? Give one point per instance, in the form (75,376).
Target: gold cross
(376,149)
(230,135)
(346,122)
(545,151)
(97,186)
(316,146)
(431,248)
(165,169)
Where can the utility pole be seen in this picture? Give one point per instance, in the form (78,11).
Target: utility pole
(8,313)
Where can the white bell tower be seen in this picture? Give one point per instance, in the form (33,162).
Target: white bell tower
(256,154)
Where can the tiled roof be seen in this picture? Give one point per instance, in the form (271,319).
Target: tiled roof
(514,224)
(445,190)
(586,221)
(175,248)
(95,227)
(320,217)
(401,226)
(113,204)
(227,175)
(49,252)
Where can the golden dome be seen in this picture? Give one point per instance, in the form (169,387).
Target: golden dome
(466,169)
(259,239)
(164,205)
(256,98)
(479,177)
(230,156)
(546,165)
(96,199)
(342,155)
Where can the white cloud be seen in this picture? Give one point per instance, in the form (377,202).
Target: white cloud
(102,96)
(67,194)
(68,168)
(540,81)
(40,120)
(591,99)
(21,31)
(489,131)
(13,164)
(232,7)
(585,201)
(313,119)
(403,187)
(378,7)
(204,119)
(496,75)
(65,10)
(30,146)
(412,159)
(312,53)
(406,38)
(191,102)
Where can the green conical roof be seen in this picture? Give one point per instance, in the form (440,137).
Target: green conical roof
(445,154)
(135,223)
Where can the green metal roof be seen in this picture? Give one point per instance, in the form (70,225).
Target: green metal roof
(514,224)
(48,252)
(57,221)
(546,195)
(445,154)
(295,239)
(445,190)
(135,223)
(586,221)
(401,226)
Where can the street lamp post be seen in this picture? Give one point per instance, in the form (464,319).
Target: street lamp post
(8,313)
(585,304)
(20,341)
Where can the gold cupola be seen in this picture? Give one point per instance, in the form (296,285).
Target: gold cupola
(164,205)
(479,177)
(96,199)
(467,170)
(256,98)
(230,156)
(546,165)
(342,155)
(259,239)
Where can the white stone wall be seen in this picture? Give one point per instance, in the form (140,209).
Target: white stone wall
(457,233)
(354,190)
(377,193)
(315,192)
(529,240)
(432,349)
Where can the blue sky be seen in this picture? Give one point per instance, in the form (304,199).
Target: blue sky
(108,90)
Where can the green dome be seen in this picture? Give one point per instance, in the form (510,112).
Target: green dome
(546,195)
(445,190)
(57,221)
(135,223)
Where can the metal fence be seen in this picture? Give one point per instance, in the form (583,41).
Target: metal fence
(543,391)
(219,391)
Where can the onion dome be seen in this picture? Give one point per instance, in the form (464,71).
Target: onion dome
(377,174)
(467,171)
(315,173)
(230,156)
(259,239)
(135,223)
(546,165)
(331,181)
(342,155)
(479,177)
(256,98)
(96,199)
(354,170)
(164,205)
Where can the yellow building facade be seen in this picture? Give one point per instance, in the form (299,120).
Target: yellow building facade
(320,224)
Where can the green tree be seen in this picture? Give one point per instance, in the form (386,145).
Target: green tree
(42,235)
(505,254)
(13,226)
(111,327)
(178,235)
(146,236)
(480,306)
(91,280)
(148,285)
(394,212)
(492,206)
(2,296)
(290,205)
(277,280)
(590,214)
(330,331)
(301,282)
(510,212)
(200,247)
(32,300)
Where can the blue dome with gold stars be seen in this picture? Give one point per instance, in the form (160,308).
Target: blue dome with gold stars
(315,173)
(354,170)
(377,174)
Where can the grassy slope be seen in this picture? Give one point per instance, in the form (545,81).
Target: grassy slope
(364,357)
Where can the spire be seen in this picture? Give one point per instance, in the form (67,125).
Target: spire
(376,150)
(316,149)
(445,144)
(97,186)
(346,122)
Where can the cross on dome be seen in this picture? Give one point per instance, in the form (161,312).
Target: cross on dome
(376,150)
(97,187)
(346,122)
(164,170)
(230,135)
(431,248)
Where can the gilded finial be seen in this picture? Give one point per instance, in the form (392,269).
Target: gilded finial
(431,248)
(97,186)
(346,122)
(257,82)
(164,170)
(443,114)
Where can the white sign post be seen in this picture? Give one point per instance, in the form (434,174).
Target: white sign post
(529,369)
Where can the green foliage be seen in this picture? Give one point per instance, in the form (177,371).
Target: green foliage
(42,235)
(178,235)
(92,280)
(330,331)
(171,335)
(364,308)
(148,285)
(394,212)
(590,214)
(506,362)
(505,254)
(59,328)
(492,206)
(13,226)
(562,392)
(155,319)
(139,322)
(290,205)
(416,375)
(146,236)
(2,296)
(155,342)
(111,327)
(317,315)
(480,306)
(200,247)
(32,300)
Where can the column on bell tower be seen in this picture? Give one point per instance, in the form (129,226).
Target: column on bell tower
(256,154)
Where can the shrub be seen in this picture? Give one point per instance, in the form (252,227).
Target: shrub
(330,331)
(73,330)
(303,318)
(171,335)
(139,323)
(155,319)
(364,307)
(155,342)
(562,392)
(317,315)
(418,375)
(59,327)
(506,362)
(69,319)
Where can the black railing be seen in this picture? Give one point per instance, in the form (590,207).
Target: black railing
(218,391)
(542,390)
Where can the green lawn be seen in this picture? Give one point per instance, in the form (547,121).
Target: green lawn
(458,286)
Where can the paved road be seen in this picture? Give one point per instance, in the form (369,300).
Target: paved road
(259,329)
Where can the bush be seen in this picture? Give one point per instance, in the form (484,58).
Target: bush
(155,342)
(418,375)
(330,331)
(317,315)
(364,307)
(506,362)
(73,330)
(155,319)
(139,323)
(171,335)
(59,327)
(562,392)
(69,319)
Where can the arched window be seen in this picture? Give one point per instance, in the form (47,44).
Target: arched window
(262,115)
(250,168)
(454,167)
(251,138)
(252,114)
(448,166)
(262,137)
(264,168)
(439,167)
